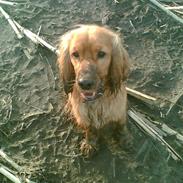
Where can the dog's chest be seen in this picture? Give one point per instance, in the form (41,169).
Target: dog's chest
(102,111)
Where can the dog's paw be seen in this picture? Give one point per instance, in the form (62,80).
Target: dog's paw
(88,149)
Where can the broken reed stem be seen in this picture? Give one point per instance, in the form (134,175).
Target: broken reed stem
(9,175)
(35,38)
(177,11)
(141,96)
(167,11)
(10,161)
(171,132)
(153,133)
(8,18)
(174,7)
(114,167)
(5,172)
(8,3)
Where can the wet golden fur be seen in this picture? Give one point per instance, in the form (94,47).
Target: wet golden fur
(112,70)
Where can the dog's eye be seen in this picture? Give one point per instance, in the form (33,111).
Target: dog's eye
(101,54)
(75,54)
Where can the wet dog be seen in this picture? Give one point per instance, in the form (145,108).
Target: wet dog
(94,65)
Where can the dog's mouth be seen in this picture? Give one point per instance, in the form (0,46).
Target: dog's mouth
(91,95)
(88,96)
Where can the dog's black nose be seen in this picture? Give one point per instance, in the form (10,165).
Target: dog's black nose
(86,84)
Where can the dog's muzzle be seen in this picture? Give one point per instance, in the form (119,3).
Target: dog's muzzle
(90,86)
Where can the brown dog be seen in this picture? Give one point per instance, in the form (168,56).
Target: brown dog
(94,65)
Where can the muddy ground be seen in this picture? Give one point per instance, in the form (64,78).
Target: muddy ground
(38,135)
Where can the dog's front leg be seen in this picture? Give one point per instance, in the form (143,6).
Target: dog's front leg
(90,144)
(122,135)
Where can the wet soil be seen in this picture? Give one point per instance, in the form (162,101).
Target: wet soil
(35,131)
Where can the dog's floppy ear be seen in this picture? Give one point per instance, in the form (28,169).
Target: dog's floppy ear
(65,66)
(119,67)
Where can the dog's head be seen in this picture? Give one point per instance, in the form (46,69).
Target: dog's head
(93,59)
